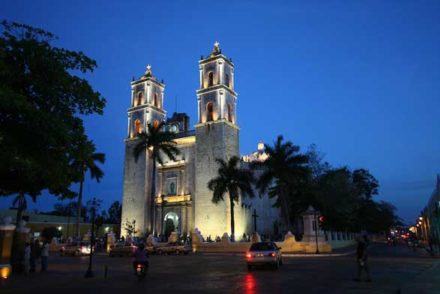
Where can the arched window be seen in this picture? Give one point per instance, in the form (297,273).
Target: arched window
(210,79)
(210,112)
(156,100)
(155,123)
(227,81)
(139,98)
(229,113)
(137,127)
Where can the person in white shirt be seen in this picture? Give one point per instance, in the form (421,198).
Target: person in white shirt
(44,255)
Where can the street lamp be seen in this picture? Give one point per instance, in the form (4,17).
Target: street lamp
(89,273)
(316,233)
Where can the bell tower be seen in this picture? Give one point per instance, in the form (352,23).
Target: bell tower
(217,136)
(146,107)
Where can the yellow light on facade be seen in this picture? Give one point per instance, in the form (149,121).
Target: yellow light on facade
(420,218)
(5,272)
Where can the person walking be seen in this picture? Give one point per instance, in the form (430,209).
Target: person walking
(361,257)
(44,255)
(27,258)
(35,254)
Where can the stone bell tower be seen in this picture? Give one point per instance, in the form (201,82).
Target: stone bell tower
(146,107)
(217,136)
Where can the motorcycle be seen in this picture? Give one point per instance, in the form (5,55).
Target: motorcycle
(141,270)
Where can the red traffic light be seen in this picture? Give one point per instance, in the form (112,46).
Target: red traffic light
(321,219)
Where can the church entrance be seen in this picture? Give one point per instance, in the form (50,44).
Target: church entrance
(170,223)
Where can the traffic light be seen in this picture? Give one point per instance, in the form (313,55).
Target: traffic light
(321,221)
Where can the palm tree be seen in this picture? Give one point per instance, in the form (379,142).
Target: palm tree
(231,179)
(281,172)
(86,160)
(157,141)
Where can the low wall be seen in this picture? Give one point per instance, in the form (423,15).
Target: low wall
(289,245)
(341,239)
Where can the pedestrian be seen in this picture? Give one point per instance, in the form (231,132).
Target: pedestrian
(35,254)
(27,257)
(44,255)
(361,257)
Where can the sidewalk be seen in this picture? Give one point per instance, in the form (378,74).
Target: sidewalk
(426,282)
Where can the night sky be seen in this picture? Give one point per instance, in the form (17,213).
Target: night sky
(360,79)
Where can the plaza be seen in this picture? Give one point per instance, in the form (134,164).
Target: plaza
(393,268)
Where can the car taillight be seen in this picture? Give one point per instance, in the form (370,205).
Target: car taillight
(273,254)
(248,255)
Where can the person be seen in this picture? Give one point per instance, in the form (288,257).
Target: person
(27,257)
(44,255)
(361,257)
(35,254)
(140,257)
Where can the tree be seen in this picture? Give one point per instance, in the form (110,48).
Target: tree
(233,180)
(42,103)
(156,141)
(68,209)
(284,174)
(85,160)
(335,199)
(115,212)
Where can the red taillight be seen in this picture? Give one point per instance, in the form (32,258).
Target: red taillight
(273,254)
(248,255)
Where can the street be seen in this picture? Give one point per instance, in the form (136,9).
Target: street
(391,269)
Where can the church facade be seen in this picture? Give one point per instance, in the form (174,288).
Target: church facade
(182,196)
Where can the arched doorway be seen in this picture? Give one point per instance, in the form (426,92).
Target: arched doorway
(170,223)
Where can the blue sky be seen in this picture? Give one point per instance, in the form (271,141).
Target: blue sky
(360,79)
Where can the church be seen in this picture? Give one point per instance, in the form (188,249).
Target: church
(182,195)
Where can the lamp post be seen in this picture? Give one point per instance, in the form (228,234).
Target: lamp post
(316,233)
(89,273)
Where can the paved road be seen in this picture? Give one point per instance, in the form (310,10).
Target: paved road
(391,267)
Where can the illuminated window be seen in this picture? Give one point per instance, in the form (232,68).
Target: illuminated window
(210,79)
(229,113)
(227,80)
(137,127)
(210,112)
(139,98)
(156,100)
(156,124)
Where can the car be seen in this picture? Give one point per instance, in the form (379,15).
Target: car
(122,249)
(75,249)
(173,247)
(263,253)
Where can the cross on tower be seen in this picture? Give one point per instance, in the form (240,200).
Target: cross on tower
(254,216)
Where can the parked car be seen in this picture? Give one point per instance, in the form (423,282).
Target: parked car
(75,249)
(122,249)
(173,248)
(263,253)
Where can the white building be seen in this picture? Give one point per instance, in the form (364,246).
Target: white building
(182,194)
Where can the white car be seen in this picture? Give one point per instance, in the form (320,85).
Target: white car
(75,249)
(262,253)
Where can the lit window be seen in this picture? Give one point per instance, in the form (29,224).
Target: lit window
(156,124)
(137,127)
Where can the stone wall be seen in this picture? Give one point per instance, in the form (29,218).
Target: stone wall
(289,245)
